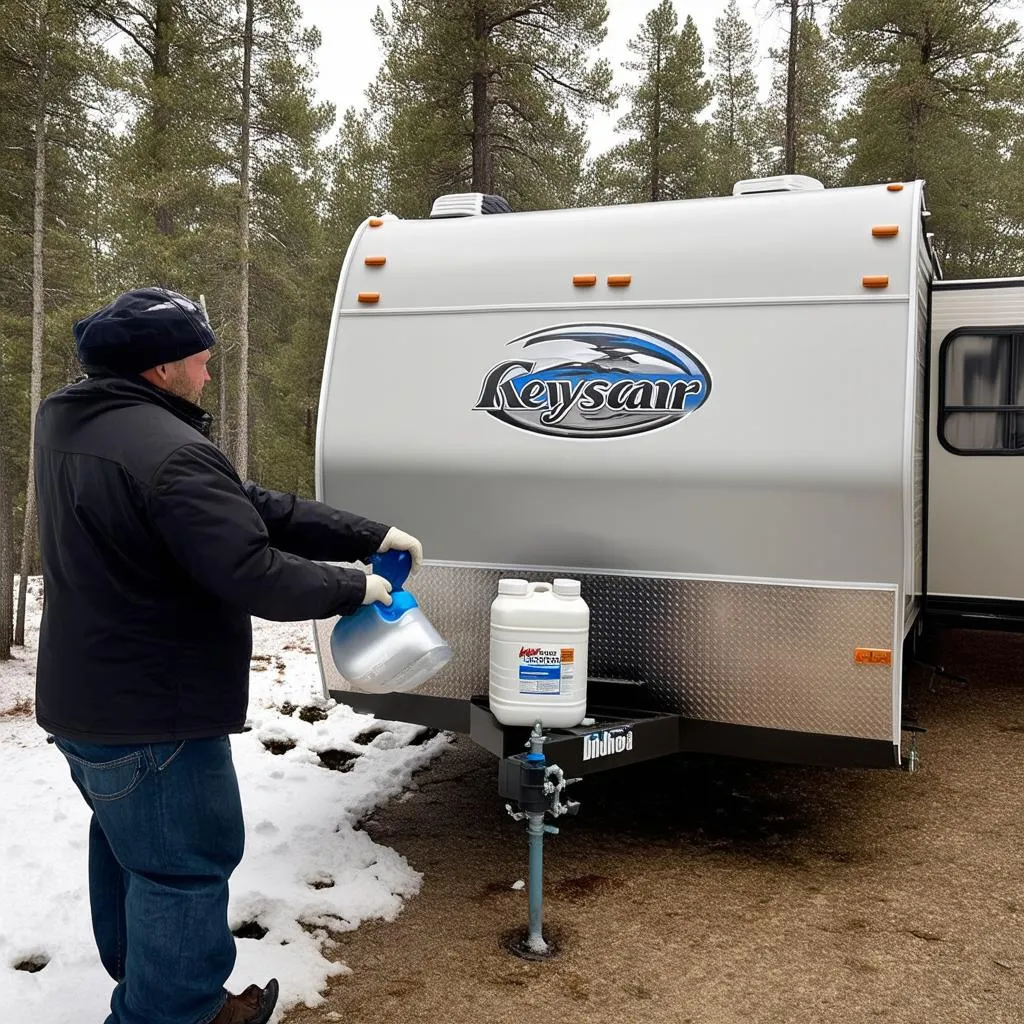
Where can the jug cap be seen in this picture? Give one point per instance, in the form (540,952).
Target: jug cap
(567,588)
(513,587)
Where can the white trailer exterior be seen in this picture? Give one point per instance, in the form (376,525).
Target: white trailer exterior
(712,412)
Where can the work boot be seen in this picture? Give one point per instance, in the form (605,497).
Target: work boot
(253,1006)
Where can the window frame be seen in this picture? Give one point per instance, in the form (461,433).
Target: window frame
(943,411)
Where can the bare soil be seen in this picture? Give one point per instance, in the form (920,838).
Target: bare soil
(719,890)
(19,709)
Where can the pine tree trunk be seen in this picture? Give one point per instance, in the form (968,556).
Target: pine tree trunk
(481,114)
(794,40)
(911,168)
(223,431)
(162,115)
(38,312)
(242,402)
(656,129)
(6,559)
(733,115)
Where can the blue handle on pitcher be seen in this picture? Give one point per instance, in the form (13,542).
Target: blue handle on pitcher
(394,566)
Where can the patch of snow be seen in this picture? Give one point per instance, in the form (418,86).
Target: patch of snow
(309,870)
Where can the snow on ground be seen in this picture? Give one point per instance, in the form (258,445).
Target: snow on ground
(308,869)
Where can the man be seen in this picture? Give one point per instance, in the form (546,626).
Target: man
(155,555)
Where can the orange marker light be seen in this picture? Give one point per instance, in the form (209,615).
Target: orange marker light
(620,280)
(875,281)
(872,656)
(894,186)
(375,261)
(375,222)
(584,280)
(369,297)
(885,230)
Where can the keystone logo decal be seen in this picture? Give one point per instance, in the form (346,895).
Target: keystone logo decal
(611,741)
(595,380)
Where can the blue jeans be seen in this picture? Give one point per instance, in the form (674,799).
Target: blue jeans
(165,835)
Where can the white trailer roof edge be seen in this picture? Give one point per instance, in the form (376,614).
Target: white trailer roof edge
(743,249)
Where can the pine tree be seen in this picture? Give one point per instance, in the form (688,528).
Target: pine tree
(666,155)
(43,73)
(287,194)
(342,192)
(345,188)
(230,83)
(939,98)
(174,81)
(47,68)
(279,128)
(241,451)
(6,559)
(798,126)
(734,123)
(170,216)
(487,95)
(793,68)
(290,321)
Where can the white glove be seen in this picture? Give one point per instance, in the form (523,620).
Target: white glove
(377,589)
(396,540)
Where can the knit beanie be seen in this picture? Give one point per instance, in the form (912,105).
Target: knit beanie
(142,329)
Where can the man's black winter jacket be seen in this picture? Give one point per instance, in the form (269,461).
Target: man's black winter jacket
(155,554)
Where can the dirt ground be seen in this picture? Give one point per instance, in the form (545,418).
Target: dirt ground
(719,891)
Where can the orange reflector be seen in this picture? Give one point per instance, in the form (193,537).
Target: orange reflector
(375,222)
(894,186)
(876,281)
(885,230)
(369,297)
(872,656)
(584,280)
(375,261)
(620,280)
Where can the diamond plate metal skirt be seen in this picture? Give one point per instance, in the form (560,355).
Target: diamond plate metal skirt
(770,655)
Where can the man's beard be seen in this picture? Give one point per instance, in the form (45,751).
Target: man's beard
(182,387)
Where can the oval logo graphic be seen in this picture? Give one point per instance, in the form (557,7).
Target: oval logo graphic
(595,380)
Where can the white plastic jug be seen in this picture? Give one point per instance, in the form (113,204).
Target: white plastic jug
(389,649)
(539,638)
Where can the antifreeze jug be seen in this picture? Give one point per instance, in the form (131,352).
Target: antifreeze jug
(387,649)
(539,639)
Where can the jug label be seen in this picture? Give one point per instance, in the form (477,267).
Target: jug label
(544,669)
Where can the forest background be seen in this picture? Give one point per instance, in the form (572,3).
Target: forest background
(183,143)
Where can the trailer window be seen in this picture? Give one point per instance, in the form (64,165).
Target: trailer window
(981,408)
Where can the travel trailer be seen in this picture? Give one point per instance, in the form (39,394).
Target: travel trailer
(766,436)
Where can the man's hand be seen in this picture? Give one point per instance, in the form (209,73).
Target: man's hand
(396,540)
(377,589)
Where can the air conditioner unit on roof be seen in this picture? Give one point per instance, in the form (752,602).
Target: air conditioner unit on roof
(468,204)
(778,183)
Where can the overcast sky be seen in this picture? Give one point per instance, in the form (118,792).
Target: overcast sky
(350,54)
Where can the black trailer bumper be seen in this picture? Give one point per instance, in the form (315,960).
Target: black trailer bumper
(624,735)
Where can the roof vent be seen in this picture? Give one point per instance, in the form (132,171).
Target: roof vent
(778,183)
(468,204)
